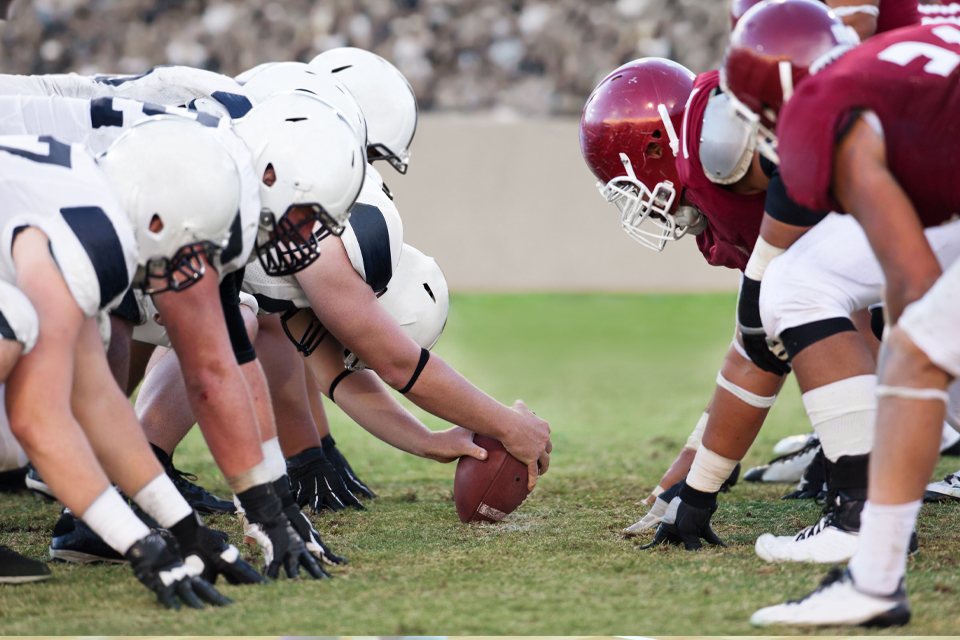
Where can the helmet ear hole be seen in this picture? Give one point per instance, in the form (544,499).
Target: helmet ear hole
(654,150)
(657,134)
(269,175)
(156,224)
(429,291)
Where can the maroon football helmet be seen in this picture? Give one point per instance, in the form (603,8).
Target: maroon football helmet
(629,140)
(738,8)
(772,49)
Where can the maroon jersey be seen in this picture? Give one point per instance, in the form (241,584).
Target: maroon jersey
(734,219)
(895,14)
(910,79)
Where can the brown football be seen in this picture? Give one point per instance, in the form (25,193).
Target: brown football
(487,490)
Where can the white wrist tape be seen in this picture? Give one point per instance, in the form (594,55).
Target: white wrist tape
(709,471)
(273,459)
(763,253)
(111,519)
(693,442)
(256,475)
(863,8)
(656,492)
(162,501)
(911,393)
(752,399)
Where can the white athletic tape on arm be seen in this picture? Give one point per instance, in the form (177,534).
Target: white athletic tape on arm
(911,393)
(709,471)
(752,399)
(114,521)
(863,8)
(161,500)
(763,253)
(695,438)
(273,459)
(256,475)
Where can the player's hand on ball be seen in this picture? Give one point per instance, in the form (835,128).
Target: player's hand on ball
(528,440)
(685,524)
(163,572)
(452,444)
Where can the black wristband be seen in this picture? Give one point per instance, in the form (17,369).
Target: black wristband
(697,499)
(261,504)
(424,356)
(327,442)
(336,381)
(877,321)
(748,307)
(282,488)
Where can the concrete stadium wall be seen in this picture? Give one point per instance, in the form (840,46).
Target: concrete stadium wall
(510,206)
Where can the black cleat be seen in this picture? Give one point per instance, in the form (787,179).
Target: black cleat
(17,569)
(196,496)
(74,541)
(37,486)
(813,484)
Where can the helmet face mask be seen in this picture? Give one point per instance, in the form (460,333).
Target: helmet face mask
(292,243)
(638,204)
(380,151)
(180,272)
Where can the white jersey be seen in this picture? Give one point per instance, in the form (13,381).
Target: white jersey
(373,239)
(97,123)
(58,188)
(18,319)
(170,86)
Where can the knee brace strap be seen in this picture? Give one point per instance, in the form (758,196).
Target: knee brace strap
(912,393)
(752,399)
(799,338)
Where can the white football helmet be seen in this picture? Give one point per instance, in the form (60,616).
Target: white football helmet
(318,167)
(181,190)
(298,76)
(417,297)
(249,73)
(385,96)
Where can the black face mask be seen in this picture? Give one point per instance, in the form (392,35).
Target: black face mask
(312,336)
(380,151)
(293,244)
(182,271)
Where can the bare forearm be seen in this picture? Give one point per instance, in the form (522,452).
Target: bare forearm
(364,398)
(260,395)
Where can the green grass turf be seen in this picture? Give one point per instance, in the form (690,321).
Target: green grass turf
(622,380)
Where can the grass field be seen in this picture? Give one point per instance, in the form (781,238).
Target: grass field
(622,380)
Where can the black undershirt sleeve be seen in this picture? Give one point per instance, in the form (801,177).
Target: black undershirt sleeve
(780,207)
(230,300)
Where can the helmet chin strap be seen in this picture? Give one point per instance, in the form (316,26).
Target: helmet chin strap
(786,80)
(668,125)
(628,166)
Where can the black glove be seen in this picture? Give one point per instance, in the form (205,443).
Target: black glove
(270,528)
(752,333)
(350,479)
(302,525)
(164,573)
(315,482)
(687,520)
(204,549)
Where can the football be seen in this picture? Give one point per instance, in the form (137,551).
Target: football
(488,490)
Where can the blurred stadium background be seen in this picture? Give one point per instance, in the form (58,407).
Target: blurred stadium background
(497,191)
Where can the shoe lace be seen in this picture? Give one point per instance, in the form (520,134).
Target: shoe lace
(834,575)
(952,479)
(828,514)
(182,478)
(807,448)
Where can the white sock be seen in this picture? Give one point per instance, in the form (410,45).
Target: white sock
(163,502)
(273,459)
(843,414)
(709,471)
(695,438)
(114,521)
(881,558)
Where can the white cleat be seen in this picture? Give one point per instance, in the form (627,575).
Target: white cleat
(792,444)
(837,602)
(823,543)
(946,489)
(649,521)
(786,468)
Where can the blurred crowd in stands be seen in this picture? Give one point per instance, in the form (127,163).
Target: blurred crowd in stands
(534,57)
(508,57)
